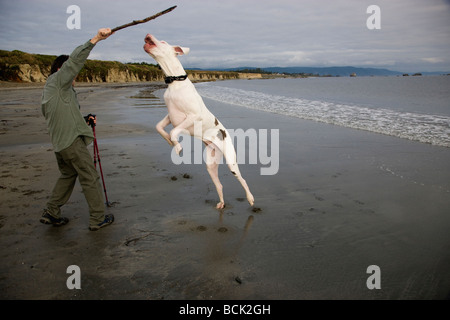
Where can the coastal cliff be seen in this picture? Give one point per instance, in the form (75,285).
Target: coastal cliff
(18,66)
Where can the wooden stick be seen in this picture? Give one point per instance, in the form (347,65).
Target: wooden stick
(135,22)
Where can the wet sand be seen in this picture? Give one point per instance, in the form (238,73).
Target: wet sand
(341,201)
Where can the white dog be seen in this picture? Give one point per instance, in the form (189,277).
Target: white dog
(185,106)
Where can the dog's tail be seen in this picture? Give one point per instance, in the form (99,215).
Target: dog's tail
(229,153)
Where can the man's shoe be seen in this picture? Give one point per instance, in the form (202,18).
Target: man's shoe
(47,218)
(109,218)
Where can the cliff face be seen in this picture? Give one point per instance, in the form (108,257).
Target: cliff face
(31,73)
(23,67)
(34,73)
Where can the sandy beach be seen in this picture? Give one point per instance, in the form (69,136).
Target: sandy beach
(342,200)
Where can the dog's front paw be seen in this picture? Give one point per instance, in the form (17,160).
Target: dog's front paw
(178,148)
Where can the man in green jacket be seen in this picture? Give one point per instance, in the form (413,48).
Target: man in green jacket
(70,136)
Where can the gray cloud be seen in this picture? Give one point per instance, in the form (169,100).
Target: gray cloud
(414,35)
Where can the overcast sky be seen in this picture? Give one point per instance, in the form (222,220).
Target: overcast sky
(414,34)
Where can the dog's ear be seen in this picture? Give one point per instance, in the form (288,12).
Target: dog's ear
(181,50)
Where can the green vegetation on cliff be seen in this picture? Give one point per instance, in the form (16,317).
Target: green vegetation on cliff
(105,71)
(11,61)
(12,67)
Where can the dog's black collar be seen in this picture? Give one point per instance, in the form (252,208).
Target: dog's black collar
(169,79)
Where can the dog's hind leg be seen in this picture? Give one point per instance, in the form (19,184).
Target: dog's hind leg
(230,157)
(235,171)
(213,157)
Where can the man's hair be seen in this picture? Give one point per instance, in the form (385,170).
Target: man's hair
(58,63)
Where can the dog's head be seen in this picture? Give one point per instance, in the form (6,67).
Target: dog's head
(160,49)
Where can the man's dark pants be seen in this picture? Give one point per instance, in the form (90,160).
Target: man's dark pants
(76,161)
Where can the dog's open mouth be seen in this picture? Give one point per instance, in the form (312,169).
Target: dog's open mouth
(149,40)
(149,43)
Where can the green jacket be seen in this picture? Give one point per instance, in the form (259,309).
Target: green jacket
(59,102)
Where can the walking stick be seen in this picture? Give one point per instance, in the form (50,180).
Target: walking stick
(97,157)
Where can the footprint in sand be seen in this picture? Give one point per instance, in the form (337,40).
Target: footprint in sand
(318,198)
(185,176)
(30,192)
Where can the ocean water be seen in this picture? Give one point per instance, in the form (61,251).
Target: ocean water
(414,108)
